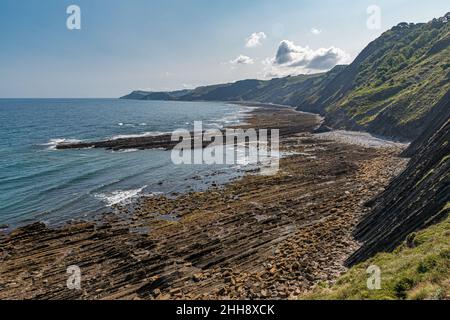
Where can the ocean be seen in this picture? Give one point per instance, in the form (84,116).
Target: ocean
(40,183)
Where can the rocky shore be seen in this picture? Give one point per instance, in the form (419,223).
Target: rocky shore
(258,237)
(283,120)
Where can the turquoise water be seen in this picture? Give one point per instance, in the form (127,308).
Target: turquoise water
(39,183)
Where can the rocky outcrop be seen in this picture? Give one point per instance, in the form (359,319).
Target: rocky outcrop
(136,95)
(289,122)
(149,95)
(415,199)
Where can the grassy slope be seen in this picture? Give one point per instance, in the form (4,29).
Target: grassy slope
(418,269)
(401,79)
(412,85)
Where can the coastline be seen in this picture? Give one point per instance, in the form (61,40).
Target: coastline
(164,141)
(254,238)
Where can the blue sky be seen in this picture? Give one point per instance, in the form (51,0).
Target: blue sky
(172,44)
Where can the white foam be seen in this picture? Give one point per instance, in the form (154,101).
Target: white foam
(214,125)
(139,135)
(53,143)
(122,124)
(119,196)
(125,151)
(235,117)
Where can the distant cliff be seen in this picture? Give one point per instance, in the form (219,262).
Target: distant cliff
(149,95)
(285,90)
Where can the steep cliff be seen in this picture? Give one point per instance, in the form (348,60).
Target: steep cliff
(417,198)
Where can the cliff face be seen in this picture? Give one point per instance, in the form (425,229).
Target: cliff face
(393,85)
(417,198)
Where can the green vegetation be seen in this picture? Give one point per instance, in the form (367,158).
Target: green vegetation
(419,269)
(396,80)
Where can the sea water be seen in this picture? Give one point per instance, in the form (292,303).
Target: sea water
(40,183)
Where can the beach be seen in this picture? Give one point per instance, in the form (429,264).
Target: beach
(257,237)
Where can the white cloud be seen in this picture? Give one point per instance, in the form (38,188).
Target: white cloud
(255,39)
(293,59)
(242,60)
(316,31)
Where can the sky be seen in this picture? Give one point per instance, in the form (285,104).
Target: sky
(154,45)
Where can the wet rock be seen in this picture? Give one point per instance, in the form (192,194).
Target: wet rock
(197,277)
(323,128)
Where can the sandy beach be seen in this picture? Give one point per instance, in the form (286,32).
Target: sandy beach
(258,237)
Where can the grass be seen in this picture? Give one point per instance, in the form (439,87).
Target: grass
(400,81)
(417,270)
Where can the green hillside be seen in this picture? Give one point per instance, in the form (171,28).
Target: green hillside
(418,269)
(394,83)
